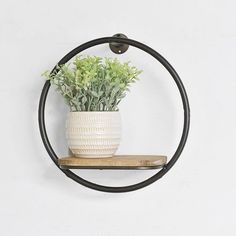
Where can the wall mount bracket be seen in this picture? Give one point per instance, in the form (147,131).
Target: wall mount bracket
(119,48)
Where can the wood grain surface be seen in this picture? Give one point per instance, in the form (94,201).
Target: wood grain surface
(116,162)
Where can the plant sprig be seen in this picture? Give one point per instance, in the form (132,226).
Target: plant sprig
(92,83)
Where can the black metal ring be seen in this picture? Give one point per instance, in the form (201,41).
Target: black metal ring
(184,98)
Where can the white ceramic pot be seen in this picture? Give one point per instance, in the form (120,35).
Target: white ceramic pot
(93,134)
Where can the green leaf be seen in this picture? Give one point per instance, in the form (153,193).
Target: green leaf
(93,83)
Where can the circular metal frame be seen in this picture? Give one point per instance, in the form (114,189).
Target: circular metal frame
(180,86)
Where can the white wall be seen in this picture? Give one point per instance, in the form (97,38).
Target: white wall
(197,197)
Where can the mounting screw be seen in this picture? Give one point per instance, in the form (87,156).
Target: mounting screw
(119,48)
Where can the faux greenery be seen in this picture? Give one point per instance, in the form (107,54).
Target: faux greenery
(92,83)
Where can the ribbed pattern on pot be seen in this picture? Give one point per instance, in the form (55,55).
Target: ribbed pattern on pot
(93,134)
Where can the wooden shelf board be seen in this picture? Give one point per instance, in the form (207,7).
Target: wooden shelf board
(117,162)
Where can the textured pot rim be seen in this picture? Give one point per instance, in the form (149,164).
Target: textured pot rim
(86,112)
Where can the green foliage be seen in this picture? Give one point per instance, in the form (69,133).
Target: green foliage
(92,83)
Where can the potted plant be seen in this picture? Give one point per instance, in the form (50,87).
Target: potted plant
(93,87)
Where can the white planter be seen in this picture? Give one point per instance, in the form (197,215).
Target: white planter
(93,134)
